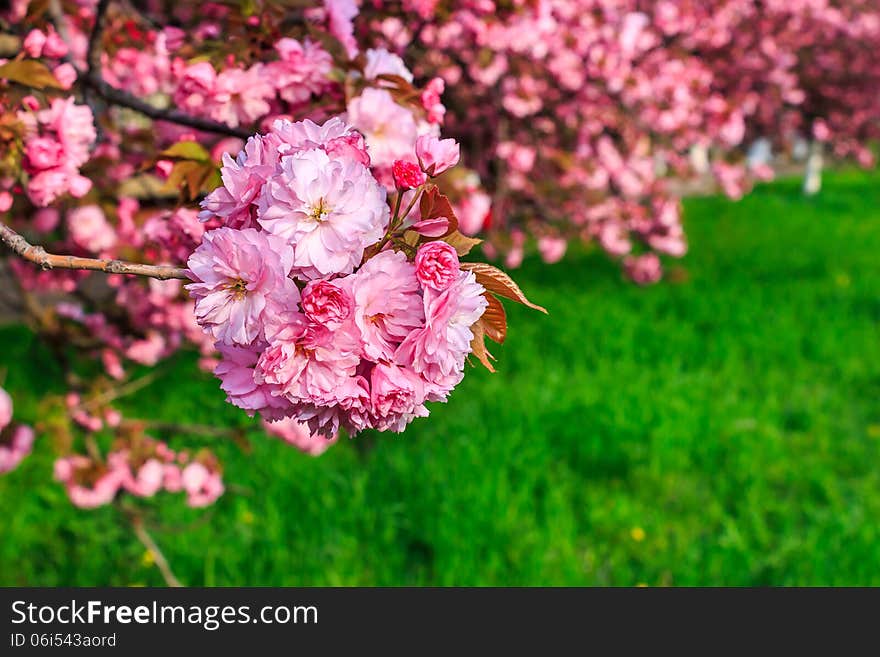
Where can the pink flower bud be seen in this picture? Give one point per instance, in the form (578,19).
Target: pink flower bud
(436,227)
(436,265)
(164,167)
(437,155)
(54,46)
(326,303)
(551,249)
(33,43)
(644,269)
(65,74)
(43,153)
(407,175)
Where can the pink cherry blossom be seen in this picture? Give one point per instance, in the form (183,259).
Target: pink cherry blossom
(389,128)
(438,350)
(236,374)
(436,155)
(397,396)
(89,229)
(325,303)
(644,269)
(437,265)
(388,305)
(407,175)
(328,210)
(33,43)
(241,278)
(202,485)
(299,435)
(15,444)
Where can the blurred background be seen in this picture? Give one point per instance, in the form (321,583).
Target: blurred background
(719,428)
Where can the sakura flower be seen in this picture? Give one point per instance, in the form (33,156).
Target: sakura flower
(436,155)
(89,229)
(15,445)
(88,484)
(65,74)
(339,140)
(436,265)
(298,434)
(437,351)
(202,484)
(407,175)
(43,153)
(644,269)
(340,23)
(236,374)
(301,71)
(397,396)
(325,303)
(15,441)
(243,179)
(430,99)
(382,62)
(241,96)
(33,43)
(551,248)
(196,88)
(144,480)
(328,210)
(241,278)
(388,305)
(308,362)
(5,409)
(389,128)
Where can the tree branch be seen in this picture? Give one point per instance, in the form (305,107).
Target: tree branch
(92,79)
(161,562)
(93,58)
(39,256)
(119,97)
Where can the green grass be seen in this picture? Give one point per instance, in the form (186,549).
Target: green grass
(729,418)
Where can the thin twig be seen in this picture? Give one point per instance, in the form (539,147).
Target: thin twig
(122,390)
(39,256)
(92,79)
(161,562)
(118,97)
(198,430)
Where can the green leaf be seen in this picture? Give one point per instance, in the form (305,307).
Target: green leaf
(187,150)
(31,73)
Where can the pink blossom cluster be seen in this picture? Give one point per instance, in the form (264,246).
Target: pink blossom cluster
(603,105)
(57,143)
(313,318)
(142,469)
(16,440)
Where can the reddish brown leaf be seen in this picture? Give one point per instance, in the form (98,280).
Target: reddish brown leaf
(399,82)
(494,320)
(478,346)
(495,280)
(462,243)
(433,205)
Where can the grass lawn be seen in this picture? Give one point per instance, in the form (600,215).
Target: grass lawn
(721,428)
